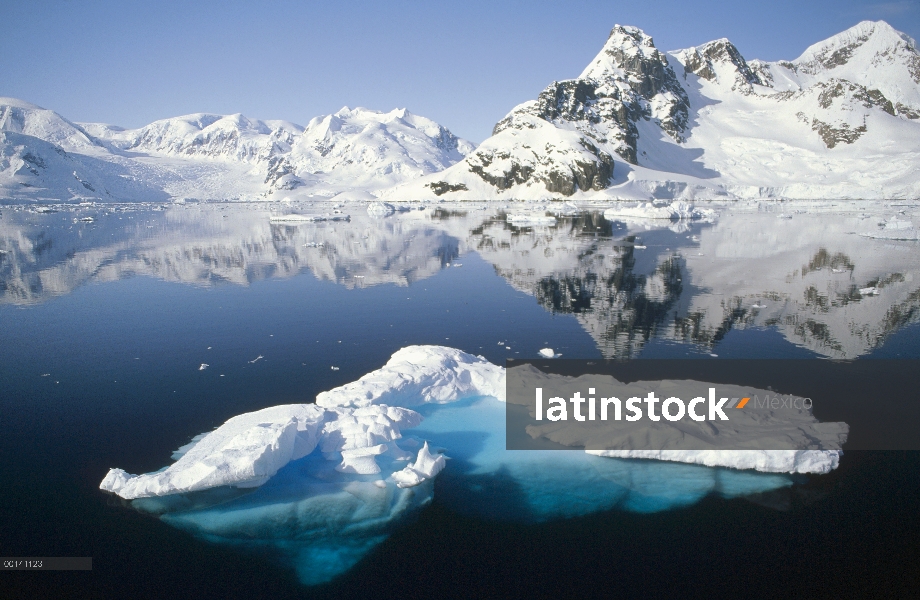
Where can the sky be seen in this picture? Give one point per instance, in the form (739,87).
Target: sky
(463,64)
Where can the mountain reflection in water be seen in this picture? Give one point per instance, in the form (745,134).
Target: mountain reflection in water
(812,278)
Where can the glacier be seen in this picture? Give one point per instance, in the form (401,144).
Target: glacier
(323,484)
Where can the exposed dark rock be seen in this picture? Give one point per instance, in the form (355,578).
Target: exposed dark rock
(831,57)
(442,187)
(516,174)
(835,135)
(905,111)
(838,88)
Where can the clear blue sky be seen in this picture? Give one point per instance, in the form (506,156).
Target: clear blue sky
(464,63)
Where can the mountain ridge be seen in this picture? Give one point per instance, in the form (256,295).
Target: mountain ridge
(840,121)
(355,151)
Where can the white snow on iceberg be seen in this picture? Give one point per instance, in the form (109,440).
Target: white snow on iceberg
(417,375)
(249,449)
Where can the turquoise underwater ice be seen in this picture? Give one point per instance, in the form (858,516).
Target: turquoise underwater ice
(323,522)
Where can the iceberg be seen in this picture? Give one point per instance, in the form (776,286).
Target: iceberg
(530,219)
(322,484)
(895,229)
(675,211)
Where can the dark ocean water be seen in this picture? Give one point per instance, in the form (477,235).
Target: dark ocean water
(106,374)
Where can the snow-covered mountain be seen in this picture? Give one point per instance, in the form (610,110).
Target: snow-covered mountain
(356,151)
(842,121)
(44,155)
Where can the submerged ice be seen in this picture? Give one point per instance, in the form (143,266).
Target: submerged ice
(322,484)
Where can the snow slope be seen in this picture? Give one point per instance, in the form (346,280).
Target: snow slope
(840,121)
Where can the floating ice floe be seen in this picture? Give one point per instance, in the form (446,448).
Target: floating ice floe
(203,366)
(895,229)
(676,211)
(382,209)
(294,218)
(530,219)
(868,291)
(548,353)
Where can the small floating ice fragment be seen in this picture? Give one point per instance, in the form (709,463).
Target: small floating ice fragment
(380,209)
(256,359)
(294,218)
(334,368)
(203,366)
(675,211)
(525,219)
(758,305)
(548,353)
(868,291)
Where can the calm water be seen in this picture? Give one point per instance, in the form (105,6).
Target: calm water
(104,324)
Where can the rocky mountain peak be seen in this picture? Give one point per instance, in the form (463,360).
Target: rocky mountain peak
(719,56)
(630,56)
